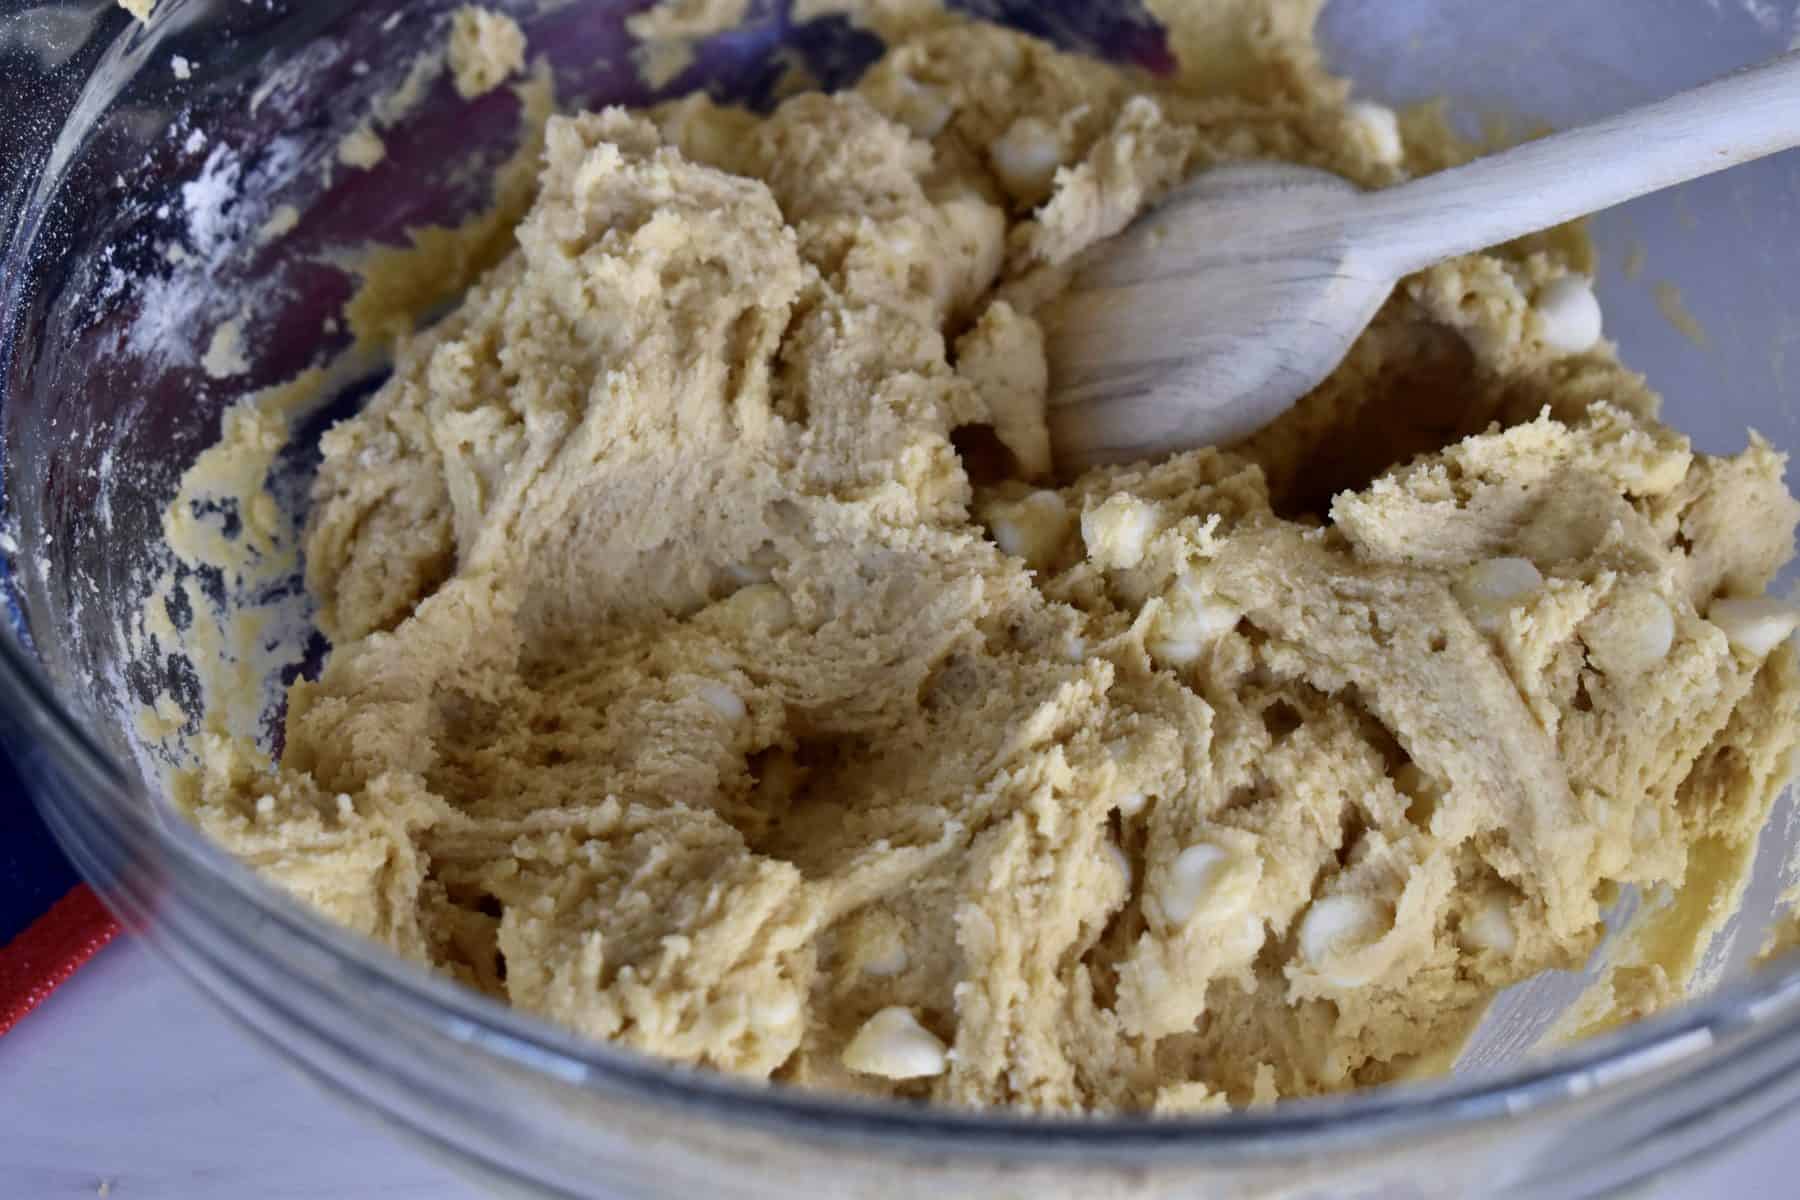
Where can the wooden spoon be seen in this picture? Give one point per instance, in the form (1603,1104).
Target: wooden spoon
(1220,308)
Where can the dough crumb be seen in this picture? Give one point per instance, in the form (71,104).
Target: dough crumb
(687,18)
(485,48)
(361,148)
(1674,309)
(225,352)
(281,222)
(667,31)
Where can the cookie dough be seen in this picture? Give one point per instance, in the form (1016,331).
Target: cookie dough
(719,670)
(485,49)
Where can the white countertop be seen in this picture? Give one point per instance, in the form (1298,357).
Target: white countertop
(93,1103)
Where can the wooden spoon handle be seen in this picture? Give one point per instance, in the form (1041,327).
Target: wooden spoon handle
(1743,116)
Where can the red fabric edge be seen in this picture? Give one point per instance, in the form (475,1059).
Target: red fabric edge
(49,951)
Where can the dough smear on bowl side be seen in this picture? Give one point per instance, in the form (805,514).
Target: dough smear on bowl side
(717,669)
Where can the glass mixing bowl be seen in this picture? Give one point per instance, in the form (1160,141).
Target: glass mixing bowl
(119,142)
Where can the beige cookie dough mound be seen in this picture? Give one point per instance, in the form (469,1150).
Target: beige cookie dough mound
(717,671)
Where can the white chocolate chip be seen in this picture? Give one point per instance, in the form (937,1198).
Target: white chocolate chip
(1213,619)
(1026,156)
(758,568)
(1631,633)
(1248,937)
(892,959)
(746,574)
(1336,924)
(1174,652)
(1505,580)
(893,1045)
(922,108)
(1656,636)
(761,607)
(1192,879)
(1130,801)
(1754,624)
(722,700)
(1119,531)
(1110,851)
(265,806)
(1489,589)
(1568,314)
(1490,927)
(1009,535)
(775,1013)
(1033,528)
(1379,128)
(1191,618)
